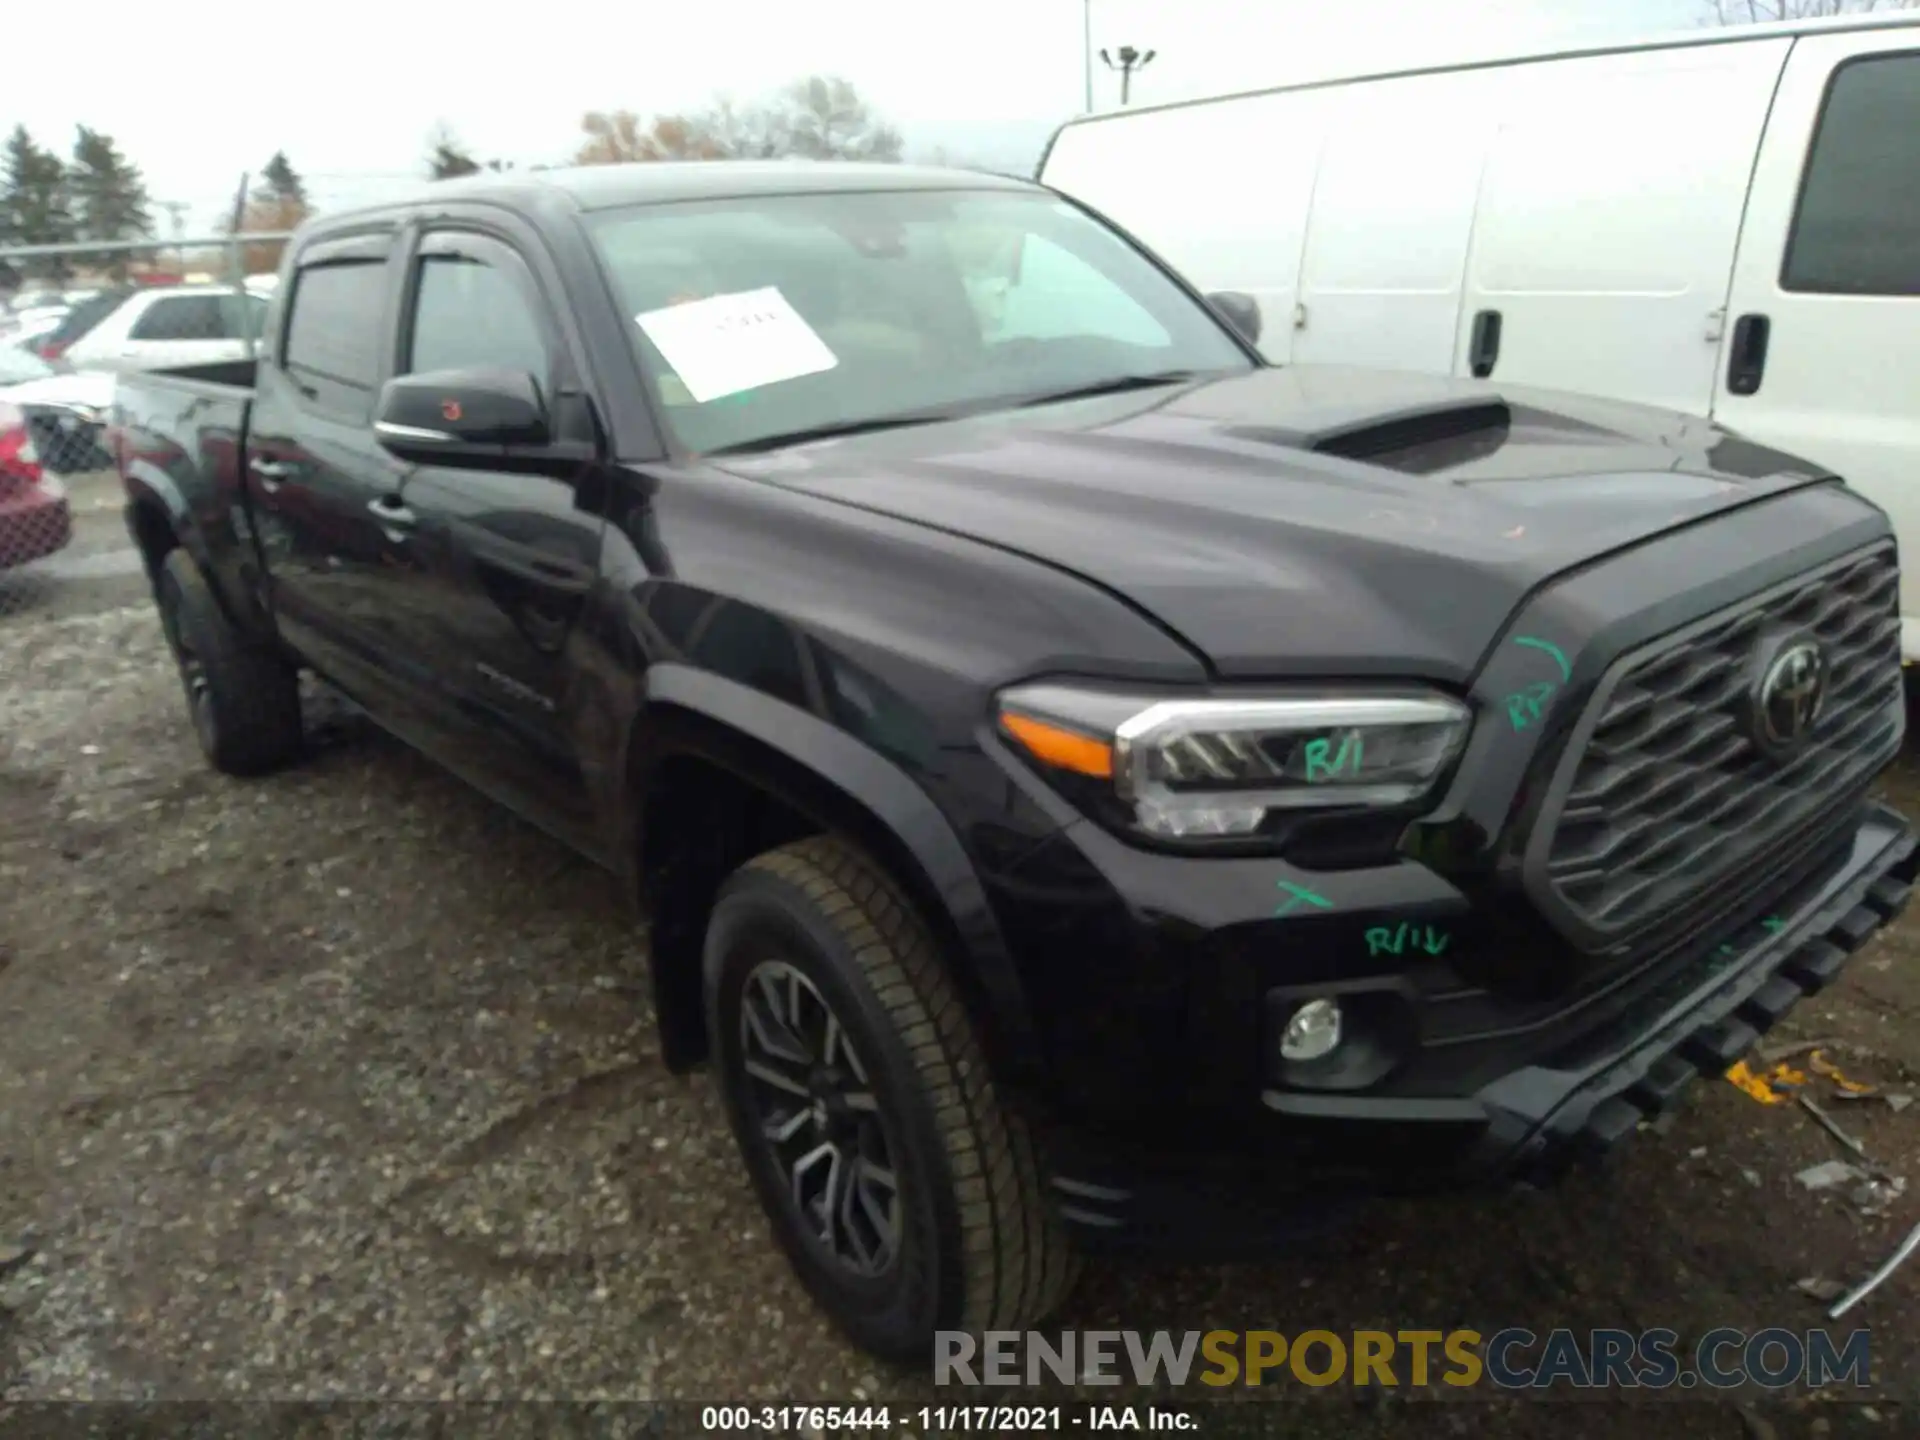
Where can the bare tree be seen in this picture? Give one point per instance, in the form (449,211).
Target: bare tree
(818,118)
(1758,12)
(266,214)
(620,137)
(830,121)
(747,132)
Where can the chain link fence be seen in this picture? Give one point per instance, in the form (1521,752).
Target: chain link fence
(74,319)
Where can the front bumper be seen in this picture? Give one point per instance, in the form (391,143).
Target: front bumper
(1530,1124)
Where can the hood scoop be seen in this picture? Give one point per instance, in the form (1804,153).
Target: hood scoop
(1415,440)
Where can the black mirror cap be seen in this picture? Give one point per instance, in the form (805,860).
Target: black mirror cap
(448,410)
(1240,310)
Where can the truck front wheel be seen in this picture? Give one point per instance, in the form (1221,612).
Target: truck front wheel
(244,699)
(906,1194)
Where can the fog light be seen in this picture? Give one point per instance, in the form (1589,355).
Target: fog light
(1312,1031)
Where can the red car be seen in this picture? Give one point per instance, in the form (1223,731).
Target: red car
(35,519)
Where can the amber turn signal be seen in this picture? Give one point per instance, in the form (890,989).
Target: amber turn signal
(1061,748)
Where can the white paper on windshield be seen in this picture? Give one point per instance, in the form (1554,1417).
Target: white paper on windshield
(729,343)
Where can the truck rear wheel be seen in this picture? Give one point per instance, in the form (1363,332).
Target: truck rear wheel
(244,699)
(906,1194)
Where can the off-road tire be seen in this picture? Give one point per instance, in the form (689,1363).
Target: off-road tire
(243,698)
(981,1249)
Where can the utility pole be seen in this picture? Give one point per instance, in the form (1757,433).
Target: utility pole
(236,255)
(1086,47)
(177,218)
(1127,60)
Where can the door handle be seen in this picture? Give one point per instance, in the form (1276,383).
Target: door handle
(271,474)
(1747,360)
(395,518)
(1483,350)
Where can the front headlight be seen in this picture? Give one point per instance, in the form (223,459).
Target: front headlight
(1224,767)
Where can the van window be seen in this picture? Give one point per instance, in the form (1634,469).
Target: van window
(1858,228)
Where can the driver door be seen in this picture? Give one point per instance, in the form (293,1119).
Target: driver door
(507,558)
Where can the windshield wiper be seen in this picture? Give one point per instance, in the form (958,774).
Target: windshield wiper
(842,427)
(1111,386)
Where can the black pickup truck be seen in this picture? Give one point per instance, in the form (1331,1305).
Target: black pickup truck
(1089,787)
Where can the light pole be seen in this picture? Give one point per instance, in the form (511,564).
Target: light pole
(1127,60)
(1086,46)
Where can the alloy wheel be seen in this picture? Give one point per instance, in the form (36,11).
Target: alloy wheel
(814,1108)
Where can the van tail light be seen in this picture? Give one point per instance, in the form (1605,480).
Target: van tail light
(50,349)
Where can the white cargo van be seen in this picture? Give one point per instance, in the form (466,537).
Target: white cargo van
(1725,223)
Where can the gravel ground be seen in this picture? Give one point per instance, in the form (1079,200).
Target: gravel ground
(342,1085)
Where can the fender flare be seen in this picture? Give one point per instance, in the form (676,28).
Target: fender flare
(149,487)
(922,836)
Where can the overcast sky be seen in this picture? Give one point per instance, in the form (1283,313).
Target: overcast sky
(196,93)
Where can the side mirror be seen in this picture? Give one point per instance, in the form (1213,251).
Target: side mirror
(1239,310)
(442,416)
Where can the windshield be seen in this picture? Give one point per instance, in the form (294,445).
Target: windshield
(769,316)
(17,365)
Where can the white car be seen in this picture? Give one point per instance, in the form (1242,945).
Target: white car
(164,327)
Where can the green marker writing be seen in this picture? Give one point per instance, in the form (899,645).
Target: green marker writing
(1525,707)
(1301,896)
(1323,764)
(1533,643)
(1397,939)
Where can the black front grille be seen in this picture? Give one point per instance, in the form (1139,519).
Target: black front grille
(1663,806)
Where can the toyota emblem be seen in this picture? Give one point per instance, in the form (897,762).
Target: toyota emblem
(1789,693)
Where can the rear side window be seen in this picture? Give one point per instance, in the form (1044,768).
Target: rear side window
(334,331)
(1858,227)
(84,316)
(188,317)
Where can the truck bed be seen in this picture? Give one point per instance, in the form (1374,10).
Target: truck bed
(179,438)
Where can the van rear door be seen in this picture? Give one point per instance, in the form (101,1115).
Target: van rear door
(1823,338)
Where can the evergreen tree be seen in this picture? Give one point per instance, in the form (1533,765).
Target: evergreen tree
(449,158)
(280,183)
(109,197)
(35,207)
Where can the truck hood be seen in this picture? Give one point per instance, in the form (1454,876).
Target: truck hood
(1306,520)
